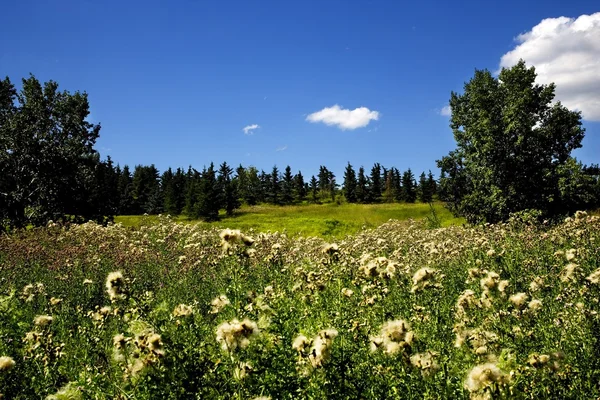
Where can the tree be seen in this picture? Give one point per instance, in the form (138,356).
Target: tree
(227,190)
(513,147)
(375,187)
(362,186)
(287,186)
(299,187)
(409,190)
(47,157)
(207,206)
(350,184)
(389,191)
(314,187)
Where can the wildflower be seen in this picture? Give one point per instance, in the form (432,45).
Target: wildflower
(321,347)
(182,310)
(242,370)
(535,305)
(70,391)
(536,284)
(155,345)
(423,278)
(518,300)
(347,292)
(393,337)
(301,343)
(219,303)
(87,281)
(6,363)
(119,341)
(54,301)
(594,277)
(115,285)
(569,272)
(42,320)
(234,334)
(425,362)
(491,253)
(484,375)
(330,248)
(570,254)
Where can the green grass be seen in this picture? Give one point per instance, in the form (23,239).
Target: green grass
(323,220)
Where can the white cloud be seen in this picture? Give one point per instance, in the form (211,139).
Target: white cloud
(344,118)
(282,148)
(248,129)
(446,111)
(565,51)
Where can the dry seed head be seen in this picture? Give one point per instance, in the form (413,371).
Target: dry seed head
(42,320)
(484,375)
(518,300)
(182,310)
(219,303)
(594,277)
(6,363)
(115,285)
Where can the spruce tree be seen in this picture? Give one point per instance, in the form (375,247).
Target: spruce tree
(314,189)
(362,190)
(287,186)
(299,187)
(375,187)
(208,205)
(350,185)
(409,192)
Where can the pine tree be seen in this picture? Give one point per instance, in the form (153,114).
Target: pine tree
(227,190)
(287,186)
(125,192)
(362,190)
(350,184)
(423,192)
(274,187)
(314,189)
(432,184)
(375,188)
(299,187)
(388,193)
(167,184)
(409,192)
(208,206)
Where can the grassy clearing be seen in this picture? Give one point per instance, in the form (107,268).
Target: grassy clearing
(323,220)
(398,312)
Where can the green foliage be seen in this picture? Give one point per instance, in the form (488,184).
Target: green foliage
(49,167)
(513,149)
(499,311)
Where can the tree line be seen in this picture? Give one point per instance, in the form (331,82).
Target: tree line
(202,194)
(513,155)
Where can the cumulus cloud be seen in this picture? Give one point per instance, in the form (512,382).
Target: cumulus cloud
(565,51)
(446,111)
(248,129)
(282,148)
(344,118)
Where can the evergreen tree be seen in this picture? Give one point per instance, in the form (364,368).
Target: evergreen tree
(265,186)
(314,189)
(125,192)
(409,192)
(227,190)
(362,189)
(287,186)
(432,184)
(192,192)
(208,205)
(179,182)
(274,187)
(167,184)
(389,192)
(299,187)
(254,189)
(423,192)
(350,185)
(375,187)
(397,184)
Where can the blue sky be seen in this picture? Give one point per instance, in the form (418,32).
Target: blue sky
(175,83)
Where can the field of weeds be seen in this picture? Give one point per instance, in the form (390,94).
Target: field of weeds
(174,311)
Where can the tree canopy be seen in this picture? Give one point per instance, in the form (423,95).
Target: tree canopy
(513,149)
(49,167)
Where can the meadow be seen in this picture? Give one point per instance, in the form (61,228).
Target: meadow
(166,310)
(322,220)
